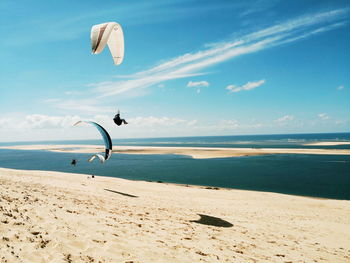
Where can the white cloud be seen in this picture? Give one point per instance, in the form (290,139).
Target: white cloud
(191,64)
(60,25)
(80,106)
(198,85)
(285,118)
(258,7)
(5,123)
(341,87)
(73,93)
(38,121)
(248,86)
(228,124)
(323,116)
(341,122)
(152,121)
(45,127)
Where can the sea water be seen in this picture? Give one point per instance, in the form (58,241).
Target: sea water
(325,176)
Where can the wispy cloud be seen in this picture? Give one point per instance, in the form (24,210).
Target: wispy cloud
(86,106)
(341,122)
(152,121)
(285,118)
(46,127)
(73,23)
(248,86)
(323,116)
(341,87)
(42,121)
(191,64)
(38,121)
(227,126)
(258,6)
(197,84)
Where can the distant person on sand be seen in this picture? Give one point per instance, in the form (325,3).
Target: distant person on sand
(117,120)
(74,162)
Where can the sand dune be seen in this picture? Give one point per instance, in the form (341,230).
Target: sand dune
(60,217)
(194,152)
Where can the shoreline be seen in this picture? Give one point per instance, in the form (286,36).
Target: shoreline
(54,216)
(210,187)
(196,186)
(194,152)
(188,185)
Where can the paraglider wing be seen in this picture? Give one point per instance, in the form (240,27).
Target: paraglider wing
(99,156)
(116,44)
(110,33)
(106,138)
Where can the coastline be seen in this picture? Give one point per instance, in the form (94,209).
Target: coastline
(194,152)
(54,216)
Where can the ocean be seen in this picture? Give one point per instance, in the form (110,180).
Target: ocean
(324,176)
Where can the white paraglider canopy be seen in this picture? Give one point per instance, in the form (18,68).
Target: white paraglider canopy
(110,33)
(99,156)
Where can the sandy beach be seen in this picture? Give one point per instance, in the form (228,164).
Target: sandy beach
(60,217)
(194,152)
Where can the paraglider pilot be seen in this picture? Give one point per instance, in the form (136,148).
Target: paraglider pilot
(117,120)
(74,162)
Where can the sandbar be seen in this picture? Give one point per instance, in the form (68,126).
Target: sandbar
(326,143)
(194,152)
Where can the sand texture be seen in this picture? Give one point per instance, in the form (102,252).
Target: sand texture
(194,152)
(61,217)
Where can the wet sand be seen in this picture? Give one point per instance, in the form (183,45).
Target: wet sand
(61,217)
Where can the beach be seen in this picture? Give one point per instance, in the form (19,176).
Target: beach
(61,217)
(194,152)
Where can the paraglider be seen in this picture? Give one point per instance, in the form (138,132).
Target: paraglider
(110,33)
(99,156)
(106,138)
(117,120)
(74,162)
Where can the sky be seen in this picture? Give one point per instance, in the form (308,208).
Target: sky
(191,68)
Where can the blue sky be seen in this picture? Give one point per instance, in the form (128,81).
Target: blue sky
(190,68)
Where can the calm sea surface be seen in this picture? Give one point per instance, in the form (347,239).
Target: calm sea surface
(310,175)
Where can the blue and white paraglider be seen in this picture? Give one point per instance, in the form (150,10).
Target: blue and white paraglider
(106,138)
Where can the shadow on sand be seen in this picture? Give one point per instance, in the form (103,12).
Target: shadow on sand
(212,221)
(125,194)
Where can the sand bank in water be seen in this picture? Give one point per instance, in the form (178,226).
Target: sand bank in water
(326,143)
(60,217)
(194,152)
